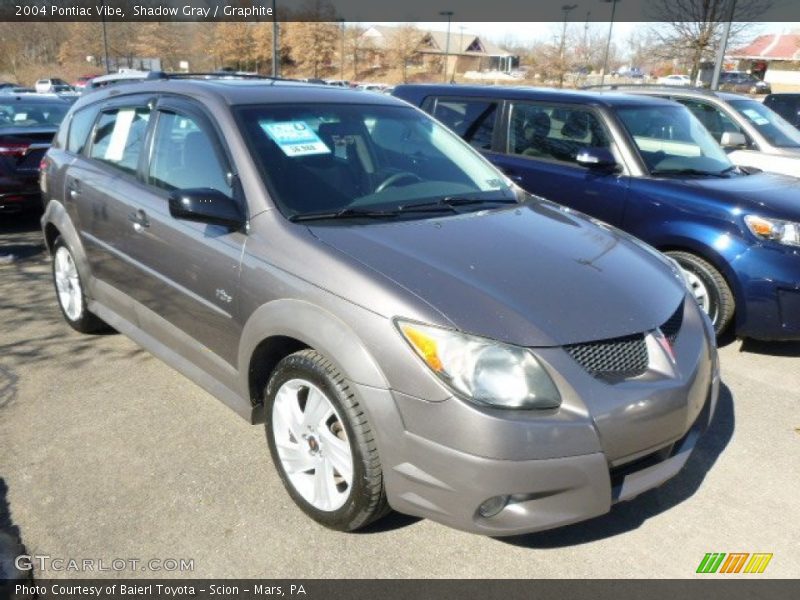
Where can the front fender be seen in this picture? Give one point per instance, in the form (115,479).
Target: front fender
(315,327)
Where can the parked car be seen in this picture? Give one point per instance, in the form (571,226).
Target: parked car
(47,86)
(648,166)
(27,125)
(83,81)
(751,133)
(786,105)
(344,268)
(739,81)
(675,80)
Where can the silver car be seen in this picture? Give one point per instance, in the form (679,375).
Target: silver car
(415,331)
(751,133)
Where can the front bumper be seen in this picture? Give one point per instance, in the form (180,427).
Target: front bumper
(443,460)
(769,298)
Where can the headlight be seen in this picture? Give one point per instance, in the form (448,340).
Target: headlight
(784,232)
(482,370)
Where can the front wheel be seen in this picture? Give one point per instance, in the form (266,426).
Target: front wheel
(322,444)
(710,290)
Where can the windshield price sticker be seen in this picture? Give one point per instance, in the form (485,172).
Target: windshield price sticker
(295,138)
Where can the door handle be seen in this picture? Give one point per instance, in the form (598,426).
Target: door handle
(139,220)
(513,175)
(74,188)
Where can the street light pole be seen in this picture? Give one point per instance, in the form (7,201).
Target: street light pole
(608,43)
(275,45)
(105,40)
(566,8)
(449,15)
(341,66)
(723,46)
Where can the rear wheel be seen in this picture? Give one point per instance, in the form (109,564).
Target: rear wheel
(322,444)
(712,292)
(70,291)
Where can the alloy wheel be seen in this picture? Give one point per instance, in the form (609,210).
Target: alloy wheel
(312,444)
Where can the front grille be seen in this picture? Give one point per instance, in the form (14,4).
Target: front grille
(672,325)
(623,357)
(618,358)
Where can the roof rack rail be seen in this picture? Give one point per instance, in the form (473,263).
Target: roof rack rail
(639,86)
(213,75)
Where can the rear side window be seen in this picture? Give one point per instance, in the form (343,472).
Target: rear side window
(554,132)
(119,137)
(79,128)
(184,156)
(473,120)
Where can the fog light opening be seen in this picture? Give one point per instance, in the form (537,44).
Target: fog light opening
(492,506)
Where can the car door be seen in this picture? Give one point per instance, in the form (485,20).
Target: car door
(541,144)
(185,275)
(97,186)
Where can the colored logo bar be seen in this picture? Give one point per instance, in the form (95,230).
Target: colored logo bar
(734,562)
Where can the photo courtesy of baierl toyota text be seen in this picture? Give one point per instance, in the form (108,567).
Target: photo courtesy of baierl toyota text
(443,300)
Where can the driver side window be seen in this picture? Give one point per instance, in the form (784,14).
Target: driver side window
(184,156)
(712,118)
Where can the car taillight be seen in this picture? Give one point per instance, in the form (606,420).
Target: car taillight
(13,149)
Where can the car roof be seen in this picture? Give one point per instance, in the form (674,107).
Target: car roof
(596,97)
(687,92)
(233,91)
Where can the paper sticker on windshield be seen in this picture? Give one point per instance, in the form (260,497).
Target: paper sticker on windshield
(295,138)
(756,118)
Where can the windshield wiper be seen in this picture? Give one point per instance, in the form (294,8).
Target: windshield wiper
(448,203)
(345,213)
(453,201)
(697,172)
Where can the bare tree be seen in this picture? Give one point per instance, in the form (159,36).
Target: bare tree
(402,45)
(691,29)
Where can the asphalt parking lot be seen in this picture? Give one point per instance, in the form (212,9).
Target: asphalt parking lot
(105,452)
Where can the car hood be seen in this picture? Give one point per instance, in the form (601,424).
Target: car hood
(535,275)
(768,194)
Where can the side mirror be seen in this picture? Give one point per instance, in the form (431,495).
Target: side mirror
(205,205)
(596,158)
(732,139)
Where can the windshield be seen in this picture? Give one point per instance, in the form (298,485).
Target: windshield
(32,114)
(770,124)
(671,140)
(325,158)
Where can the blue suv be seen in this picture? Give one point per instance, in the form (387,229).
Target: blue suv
(647,166)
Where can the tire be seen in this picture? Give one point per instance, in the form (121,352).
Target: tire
(309,449)
(71,292)
(712,292)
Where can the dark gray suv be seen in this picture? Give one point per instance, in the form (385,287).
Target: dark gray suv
(415,331)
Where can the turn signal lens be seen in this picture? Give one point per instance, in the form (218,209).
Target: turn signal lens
(425,346)
(783,232)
